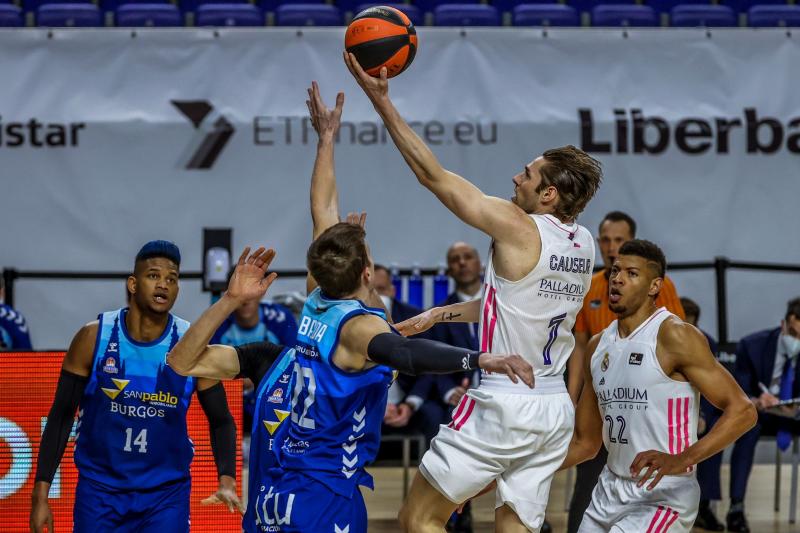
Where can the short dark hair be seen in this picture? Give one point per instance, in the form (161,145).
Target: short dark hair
(646,250)
(159,248)
(576,176)
(690,307)
(619,216)
(378,266)
(337,258)
(793,308)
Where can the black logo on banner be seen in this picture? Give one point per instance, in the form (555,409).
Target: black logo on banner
(214,141)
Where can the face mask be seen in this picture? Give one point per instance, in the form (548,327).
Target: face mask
(791,345)
(387,303)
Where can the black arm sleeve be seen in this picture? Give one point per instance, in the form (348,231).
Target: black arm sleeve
(256,358)
(420,356)
(222,428)
(59,424)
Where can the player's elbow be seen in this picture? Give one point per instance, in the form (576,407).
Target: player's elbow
(748,414)
(178,366)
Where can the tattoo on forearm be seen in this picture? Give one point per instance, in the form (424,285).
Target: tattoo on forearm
(449,316)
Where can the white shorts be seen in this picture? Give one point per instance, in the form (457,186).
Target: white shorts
(620,506)
(509,433)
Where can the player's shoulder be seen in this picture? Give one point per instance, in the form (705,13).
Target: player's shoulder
(675,334)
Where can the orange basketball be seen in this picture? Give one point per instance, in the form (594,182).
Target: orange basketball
(382,36)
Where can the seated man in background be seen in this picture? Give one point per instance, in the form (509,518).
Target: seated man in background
(14,334)
(256,321)
(411,406)
(615,229)
(708,470)
(766,368)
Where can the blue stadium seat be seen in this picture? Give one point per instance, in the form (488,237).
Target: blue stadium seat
(774,16)
(68,15)
(665,6)
(585,6)
(272,5)
(688,16)
(625,15)
(509,5)
(33,5)
(429,6)
(147,15)
(412,12)
(545,15)
(308,15)
(10,16)
(466,15)
(228,15)
(742,6)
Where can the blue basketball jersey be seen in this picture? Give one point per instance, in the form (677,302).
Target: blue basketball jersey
(336,416)
(276,324)
(273,404)
(132,416)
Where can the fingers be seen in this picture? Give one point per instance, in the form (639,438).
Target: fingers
(511,373)
(243,257)
(362,219)
(652,468)
(211,500)
(265,258)
(384,74)
(652,485)
(267,282)
(317,97)
(254,256)
(339,104)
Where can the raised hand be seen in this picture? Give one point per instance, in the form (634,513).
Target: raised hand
(359,219)
(250,280)
(514,366)
(325,121)
(417,324)
(375,88)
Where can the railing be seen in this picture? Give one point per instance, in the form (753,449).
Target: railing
(719,265)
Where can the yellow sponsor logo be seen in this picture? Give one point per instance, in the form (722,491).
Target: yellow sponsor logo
(272,426)
(120,384)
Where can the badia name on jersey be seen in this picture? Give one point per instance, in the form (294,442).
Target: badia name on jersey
(312,329)
(576,265)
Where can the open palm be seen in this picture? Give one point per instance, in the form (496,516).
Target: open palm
(250,279)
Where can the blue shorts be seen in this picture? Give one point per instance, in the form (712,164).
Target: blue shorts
(102,508)
(293,502)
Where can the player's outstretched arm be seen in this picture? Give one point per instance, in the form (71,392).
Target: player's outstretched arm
(324,195)
(222,431)
(688,348)
(369,337)
(192,356)
(588,434)
(75,372)
(460,312)
(499,218)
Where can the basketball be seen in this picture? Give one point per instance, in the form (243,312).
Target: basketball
(382,36)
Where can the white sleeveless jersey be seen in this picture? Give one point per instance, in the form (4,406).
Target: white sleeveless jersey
(533,317)
(642,408)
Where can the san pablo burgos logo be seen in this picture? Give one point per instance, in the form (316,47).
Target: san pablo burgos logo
(212,133)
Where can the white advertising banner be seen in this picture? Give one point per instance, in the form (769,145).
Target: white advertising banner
(110,138)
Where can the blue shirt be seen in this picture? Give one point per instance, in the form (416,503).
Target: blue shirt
(276,324)
(14,333)
(336,415)
(132,417)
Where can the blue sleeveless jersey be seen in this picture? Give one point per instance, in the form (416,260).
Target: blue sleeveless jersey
(336,416)
(132,416)
(273,405)
(276,324)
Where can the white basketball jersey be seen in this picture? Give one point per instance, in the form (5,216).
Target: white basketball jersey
(533,317)
(642,408)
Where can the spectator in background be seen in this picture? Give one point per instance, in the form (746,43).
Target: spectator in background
(708,470)
(411,405)
(615,229)
(253,322)
(14,334)
(767,371)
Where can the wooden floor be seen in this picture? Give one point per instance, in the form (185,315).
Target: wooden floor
(384,503)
